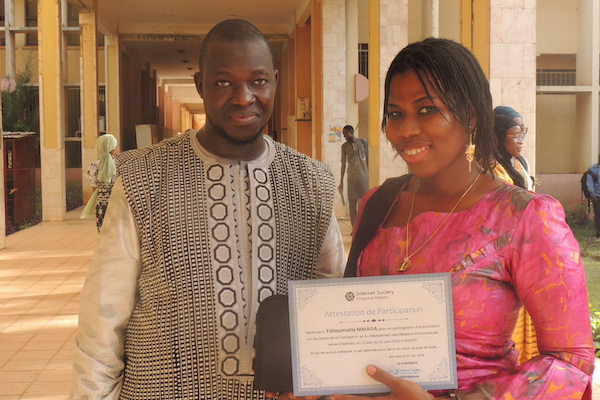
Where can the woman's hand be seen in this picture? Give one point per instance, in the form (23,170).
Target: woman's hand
(401,389)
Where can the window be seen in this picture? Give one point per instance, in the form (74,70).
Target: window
(72,37)
(31,21)
(363,59)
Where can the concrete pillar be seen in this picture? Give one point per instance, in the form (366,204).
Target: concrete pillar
(337,94)
(9,38)
(588,71)
(391,17)
(113,86)
(352,63)
(512,60)
(89,93)
(2,202)
(52,113)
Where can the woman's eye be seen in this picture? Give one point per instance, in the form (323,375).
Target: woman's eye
(260,82)
(427,110)
(394,114)
(223,83)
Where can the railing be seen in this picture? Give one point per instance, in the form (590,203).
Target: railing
(555,77)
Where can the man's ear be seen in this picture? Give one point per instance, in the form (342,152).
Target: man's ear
(198,82)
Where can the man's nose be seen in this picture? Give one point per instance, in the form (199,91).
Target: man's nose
(243,95)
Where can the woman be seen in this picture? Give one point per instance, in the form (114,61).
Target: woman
(512,168)
(510,132)
(101,174)
(503,246)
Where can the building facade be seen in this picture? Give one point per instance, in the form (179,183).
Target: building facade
(126,68)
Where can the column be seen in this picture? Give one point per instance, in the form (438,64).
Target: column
(512,61)
(2,178)
(52,148)
(391,16)
(588,71)
(337,59)
(113,86)
(89,93)
(351,63)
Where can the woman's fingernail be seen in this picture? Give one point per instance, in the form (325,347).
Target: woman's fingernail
(371,370)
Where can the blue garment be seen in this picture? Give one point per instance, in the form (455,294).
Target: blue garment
(593,180)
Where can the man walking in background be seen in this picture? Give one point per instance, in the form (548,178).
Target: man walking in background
(355,154)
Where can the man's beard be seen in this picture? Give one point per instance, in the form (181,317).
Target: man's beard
(221,132)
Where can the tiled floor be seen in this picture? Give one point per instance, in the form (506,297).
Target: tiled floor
(42,270)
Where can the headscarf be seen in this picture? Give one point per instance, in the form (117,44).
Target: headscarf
(508,111)
(106,169)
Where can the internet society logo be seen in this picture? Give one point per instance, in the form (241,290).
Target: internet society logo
(349,296)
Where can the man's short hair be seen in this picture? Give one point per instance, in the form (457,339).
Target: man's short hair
(230,30)
(348,128)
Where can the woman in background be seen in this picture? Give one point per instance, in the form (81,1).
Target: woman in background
(101,175)
(510,132)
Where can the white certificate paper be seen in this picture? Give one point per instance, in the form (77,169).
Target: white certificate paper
(403,324)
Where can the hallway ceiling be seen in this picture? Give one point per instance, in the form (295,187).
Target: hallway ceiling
(167,34)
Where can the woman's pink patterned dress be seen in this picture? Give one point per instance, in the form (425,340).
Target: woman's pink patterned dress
(509,248)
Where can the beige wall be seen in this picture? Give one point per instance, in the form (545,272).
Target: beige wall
(559,151)
(557,26)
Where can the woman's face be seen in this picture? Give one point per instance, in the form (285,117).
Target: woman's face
(515,135)
(423,130)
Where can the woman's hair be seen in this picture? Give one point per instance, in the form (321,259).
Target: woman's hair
(458,80)
(502,123)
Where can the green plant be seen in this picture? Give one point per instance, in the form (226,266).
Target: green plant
(20,107)
(595,316)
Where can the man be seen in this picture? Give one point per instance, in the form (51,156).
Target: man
(199,230)
(593,187)
(355,152)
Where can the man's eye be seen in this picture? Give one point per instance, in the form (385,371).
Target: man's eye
(223,83)
(260,82)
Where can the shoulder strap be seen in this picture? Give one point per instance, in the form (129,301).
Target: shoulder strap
(374,212)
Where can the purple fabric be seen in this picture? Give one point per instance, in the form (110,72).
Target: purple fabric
(512,247)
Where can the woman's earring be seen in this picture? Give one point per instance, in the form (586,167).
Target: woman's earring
(470,151)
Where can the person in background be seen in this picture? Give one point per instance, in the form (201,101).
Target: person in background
(355,154)
(200,229)
(101,175)
(510,132)
(503,246)
(512,168)
(592,182)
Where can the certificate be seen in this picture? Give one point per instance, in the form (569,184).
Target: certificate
(402,324)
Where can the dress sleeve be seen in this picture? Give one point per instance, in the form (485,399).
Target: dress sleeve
(107,302)
(545,267)
(332,260)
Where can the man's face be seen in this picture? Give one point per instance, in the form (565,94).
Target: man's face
(348,135)
(237,84)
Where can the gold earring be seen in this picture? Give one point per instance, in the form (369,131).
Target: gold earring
(470,151)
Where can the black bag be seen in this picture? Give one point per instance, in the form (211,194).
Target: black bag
(374,212)
(273,351)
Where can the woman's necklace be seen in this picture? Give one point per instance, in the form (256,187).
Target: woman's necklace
(406,264)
